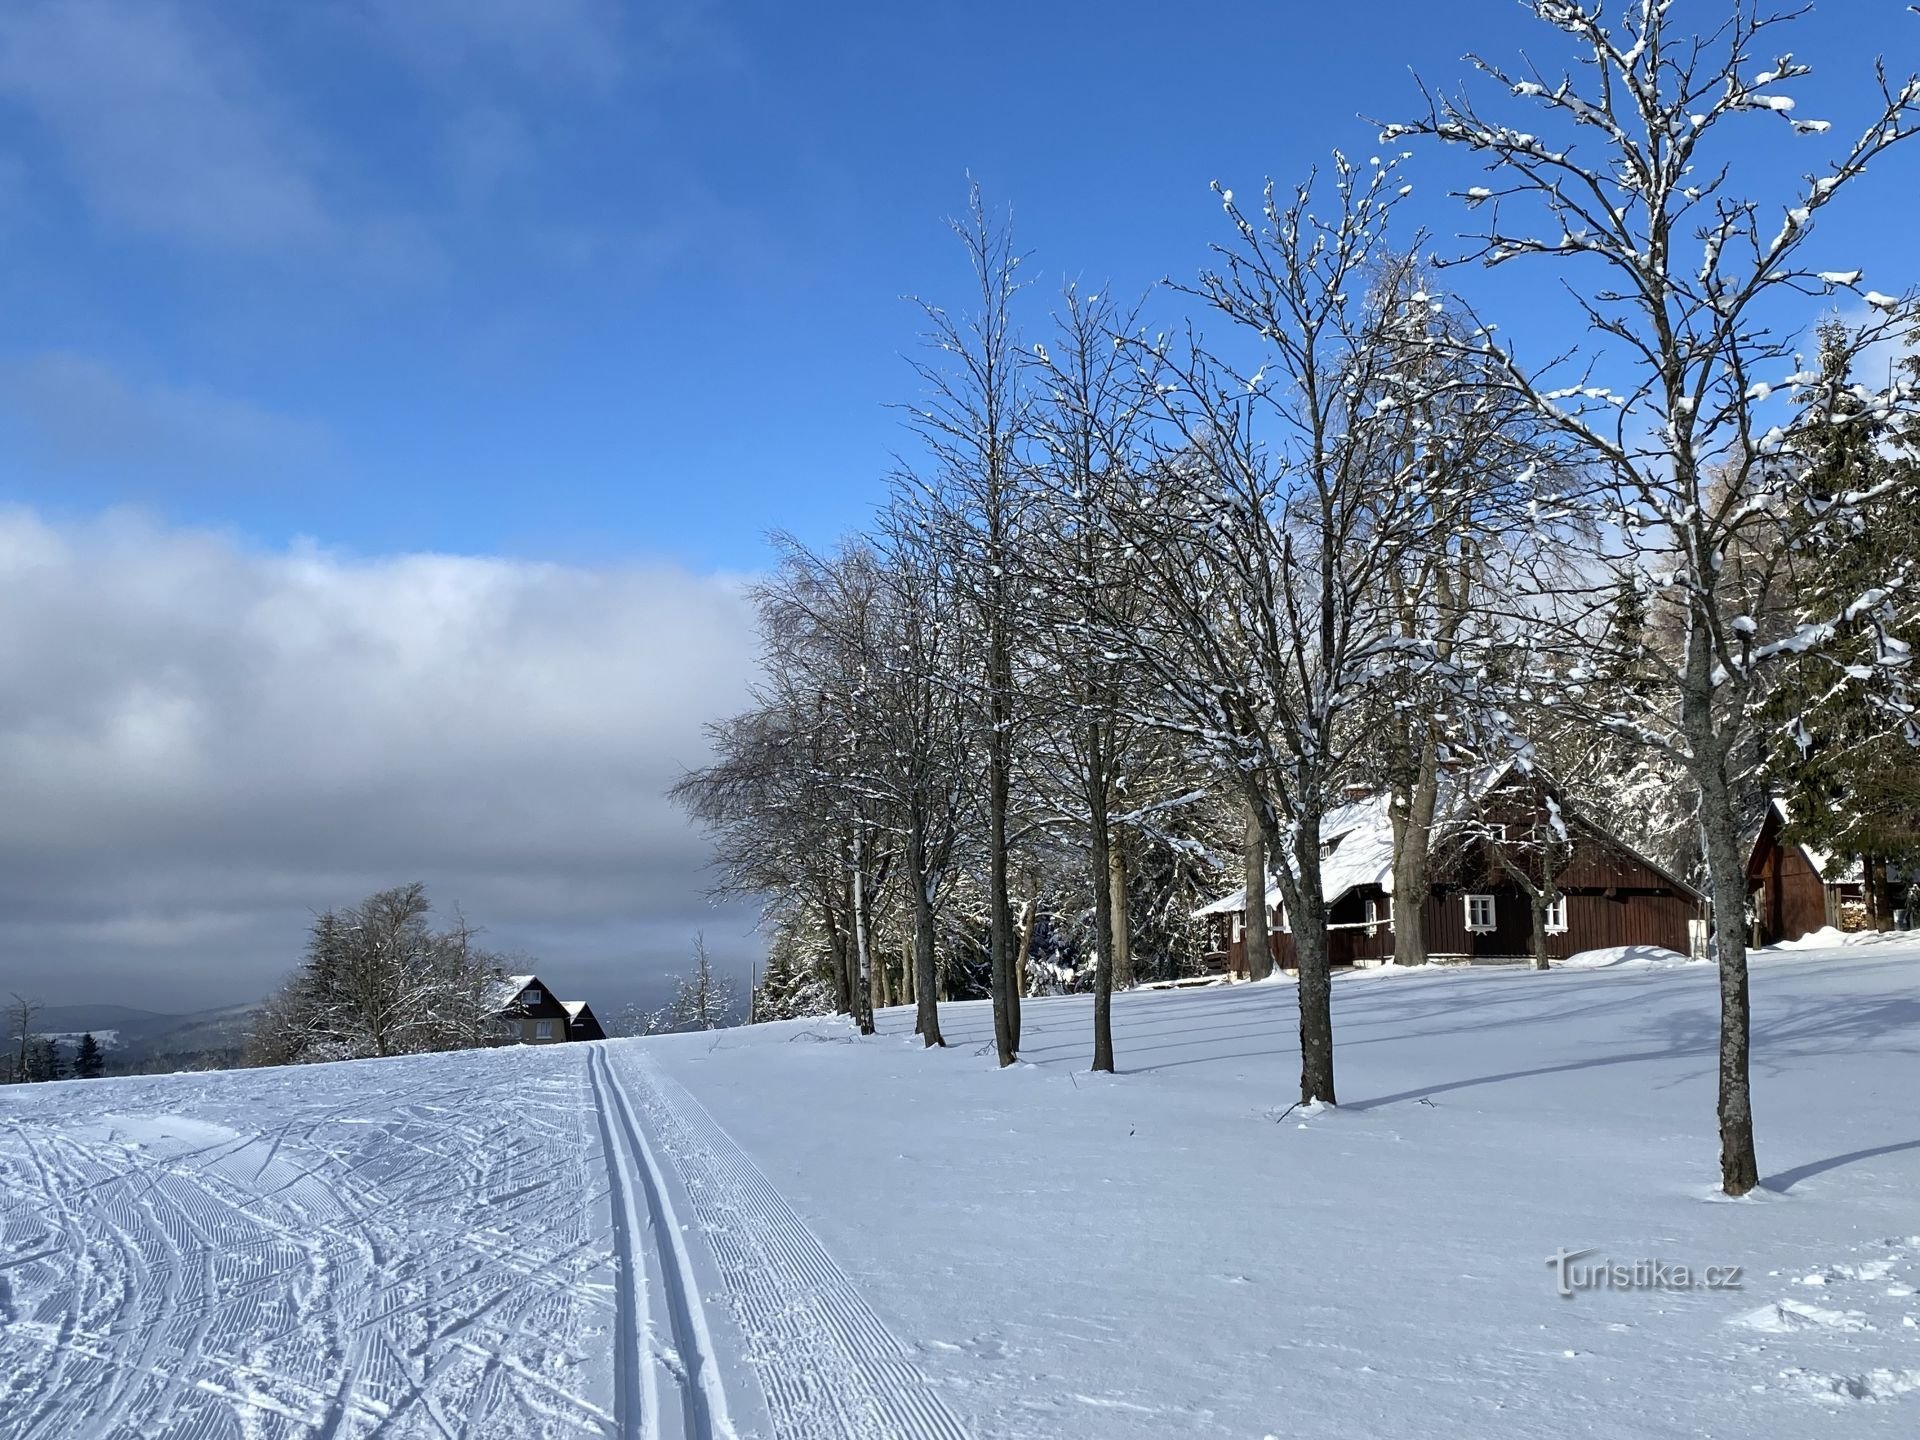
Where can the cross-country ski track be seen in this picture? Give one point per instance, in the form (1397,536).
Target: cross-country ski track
(791,1231)
(486,1244)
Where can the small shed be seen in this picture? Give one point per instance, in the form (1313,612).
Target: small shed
(1793,889)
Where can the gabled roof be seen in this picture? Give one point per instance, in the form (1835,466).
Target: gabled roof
(506,991)
(1357,839)
(573,1008)
(1824,865)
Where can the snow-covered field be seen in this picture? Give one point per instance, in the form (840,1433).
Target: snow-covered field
(788,1232)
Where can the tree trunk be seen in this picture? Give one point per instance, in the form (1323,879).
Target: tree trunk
(837,949)
(1259,949)
(1412,815)
(926,985)
(908,990)
(1537,901)
(1123,977)
(1006,998)
(863,953)
(1739,1167)
(1102,945)
(1315,970)
(1023,946)
(1877,891)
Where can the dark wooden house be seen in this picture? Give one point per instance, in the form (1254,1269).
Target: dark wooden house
(1792,890)
(581,1023)
(1478,910)
(525,1012)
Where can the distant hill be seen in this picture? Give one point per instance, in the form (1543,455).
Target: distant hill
(146,1039)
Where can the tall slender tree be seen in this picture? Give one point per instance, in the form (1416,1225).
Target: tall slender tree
(1625,175)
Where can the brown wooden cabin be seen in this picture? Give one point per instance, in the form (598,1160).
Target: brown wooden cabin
(1792,890)
(525,1012)
(1475,912)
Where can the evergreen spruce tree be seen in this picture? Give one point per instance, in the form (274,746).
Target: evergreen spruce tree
(1848,775)
(88,1062)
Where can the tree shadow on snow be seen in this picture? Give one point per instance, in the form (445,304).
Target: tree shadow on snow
(1787,1179)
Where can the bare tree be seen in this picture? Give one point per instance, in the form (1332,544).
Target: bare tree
(1089,449)
(1623,174)
(973,420)
(379,980)
(703,999)
(1269,525)
(21,1010)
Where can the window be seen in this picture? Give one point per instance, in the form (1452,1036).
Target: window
(1557,916)
(1479,912)
(1379,912)
(543,1029)
(532,996)
(510,1029)
(1286,925)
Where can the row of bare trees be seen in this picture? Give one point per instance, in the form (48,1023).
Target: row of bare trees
(1144,590)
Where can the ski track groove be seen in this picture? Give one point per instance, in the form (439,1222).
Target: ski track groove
(828,1364)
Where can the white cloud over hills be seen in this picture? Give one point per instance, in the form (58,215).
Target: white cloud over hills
(201,742)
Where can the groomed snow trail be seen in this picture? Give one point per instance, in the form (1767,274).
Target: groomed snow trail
(661,1330)
(829,1366)
(505,1243)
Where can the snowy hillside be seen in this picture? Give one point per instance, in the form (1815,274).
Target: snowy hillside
(788,1232)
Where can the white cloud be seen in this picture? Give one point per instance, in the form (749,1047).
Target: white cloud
(162,122)
(73,412)
(201,742)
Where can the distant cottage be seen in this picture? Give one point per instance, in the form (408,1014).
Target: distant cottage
(1488,824)
(1795,890)
(525,1012)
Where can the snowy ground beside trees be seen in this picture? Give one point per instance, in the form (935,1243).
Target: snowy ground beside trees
(833,1237)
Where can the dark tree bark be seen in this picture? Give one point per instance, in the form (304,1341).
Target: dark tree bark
(1412,811)
(1253,926)
(1099,862)
(926,984)
(1306,904)
(1739,1166)
(1123,976)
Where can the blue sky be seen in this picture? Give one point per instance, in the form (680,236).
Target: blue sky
(582,298)
(572,278)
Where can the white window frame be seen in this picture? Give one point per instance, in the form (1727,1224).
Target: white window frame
(543,1029)
(1477,927)
(1286,925)
(1375,919)
(532,996)
(1557,916)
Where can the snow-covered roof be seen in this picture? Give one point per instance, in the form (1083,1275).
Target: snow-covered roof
(573,1008)
(1845,872)
(507,990)
(1356,840)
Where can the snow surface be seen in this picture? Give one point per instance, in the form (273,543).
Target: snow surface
(789,1231)
(1642,955)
